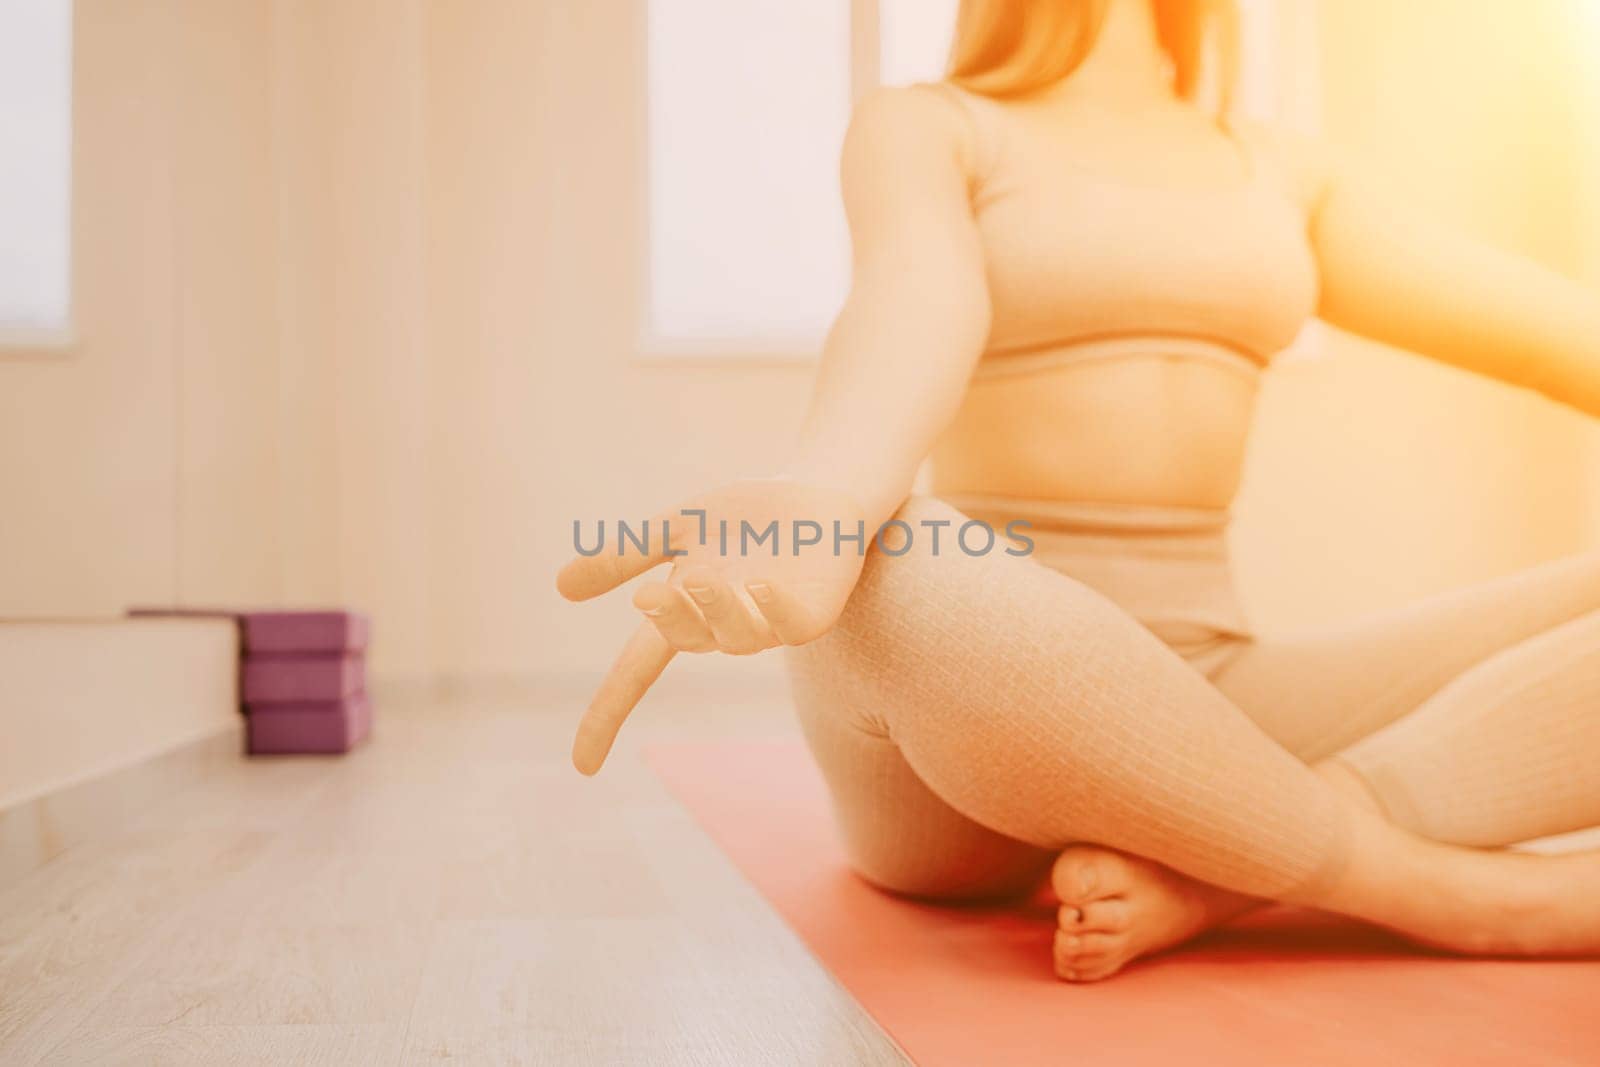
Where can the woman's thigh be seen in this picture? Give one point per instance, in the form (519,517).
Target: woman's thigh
(897,832)
(1318,692)
(989,702)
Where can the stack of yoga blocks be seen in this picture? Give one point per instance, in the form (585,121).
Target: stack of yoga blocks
(304,680)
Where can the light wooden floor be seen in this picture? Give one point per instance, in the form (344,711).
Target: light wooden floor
(452,891)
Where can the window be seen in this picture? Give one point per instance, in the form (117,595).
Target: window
(747,108)
(36,178)
(915,38)
(748,104)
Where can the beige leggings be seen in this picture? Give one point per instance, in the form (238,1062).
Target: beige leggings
(973,715)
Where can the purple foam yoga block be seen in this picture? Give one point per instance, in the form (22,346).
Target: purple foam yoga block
(305,631)
(309,728)
(301,679)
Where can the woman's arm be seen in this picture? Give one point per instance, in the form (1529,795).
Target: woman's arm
(893,371)
(898,358)
(1396,278)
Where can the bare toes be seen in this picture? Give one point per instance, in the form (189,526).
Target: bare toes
(1094,972)
(1085,872)
(1097,946)
(1079,954)
(1111,915)
(1078,965)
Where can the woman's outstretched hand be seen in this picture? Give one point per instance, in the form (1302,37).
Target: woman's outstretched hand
(754,564)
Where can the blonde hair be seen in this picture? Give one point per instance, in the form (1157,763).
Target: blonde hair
(1014,47)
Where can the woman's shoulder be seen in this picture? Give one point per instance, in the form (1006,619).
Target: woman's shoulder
(914,119)
(922,117)
(921,109)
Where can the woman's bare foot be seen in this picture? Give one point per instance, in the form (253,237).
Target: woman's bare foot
(1116,908)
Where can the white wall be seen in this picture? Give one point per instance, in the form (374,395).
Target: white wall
(137,467)
(543,413)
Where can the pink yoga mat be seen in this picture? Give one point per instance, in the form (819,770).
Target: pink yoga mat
(974,986)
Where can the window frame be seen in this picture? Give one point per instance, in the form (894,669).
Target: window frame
(50,342)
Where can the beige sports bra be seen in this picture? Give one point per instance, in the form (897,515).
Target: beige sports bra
(1079,263)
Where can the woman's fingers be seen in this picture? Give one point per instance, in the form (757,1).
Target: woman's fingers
(723,610)
(613,564)
(675,617)
(789,618)
(643,659)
